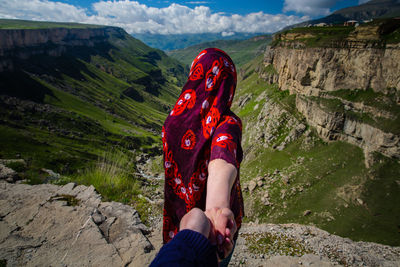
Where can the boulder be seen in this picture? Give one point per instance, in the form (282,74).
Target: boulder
(49,225)
(252,185)
(7,174)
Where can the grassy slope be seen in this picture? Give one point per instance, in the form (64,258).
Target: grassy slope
(241,51)
(325,178)
(334,36)
(115,94)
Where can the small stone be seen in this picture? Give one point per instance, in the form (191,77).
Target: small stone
(260,183)
(307,212)
(285,179)
(252,186)
(98,218)
(360,201)
(7,174)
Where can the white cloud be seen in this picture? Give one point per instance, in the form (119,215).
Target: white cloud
(40,10)
(225,34)
(310,7)
(139,18)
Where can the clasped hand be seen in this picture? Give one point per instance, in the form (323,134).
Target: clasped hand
(222,230)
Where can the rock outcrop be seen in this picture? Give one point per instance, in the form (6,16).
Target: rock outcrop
(361,61)
(272,124)
(49,225)
(336,126)
(300,245)
(310,71)
(7,174)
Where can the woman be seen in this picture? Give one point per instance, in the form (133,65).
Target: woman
(202,151)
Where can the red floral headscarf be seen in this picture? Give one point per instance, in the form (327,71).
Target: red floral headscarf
(201,127)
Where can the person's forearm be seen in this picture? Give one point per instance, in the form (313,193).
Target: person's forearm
(221,176)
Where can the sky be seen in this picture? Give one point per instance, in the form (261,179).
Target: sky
(177,17)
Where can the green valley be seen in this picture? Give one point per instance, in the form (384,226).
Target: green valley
(241,51)
(70,104)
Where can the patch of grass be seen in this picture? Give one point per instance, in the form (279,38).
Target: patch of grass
(16,166)
(270,69)
(156,166)
(329,105)
(270,244)
(257,86)
(314,36)
(71,200)
(326,175)
(370,97)
(377,100)
(113,177)
(394,37)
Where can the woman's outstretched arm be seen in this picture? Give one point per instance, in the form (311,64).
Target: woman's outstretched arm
(221,176)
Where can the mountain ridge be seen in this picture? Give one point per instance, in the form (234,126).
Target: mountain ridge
(367,11)
(241,51)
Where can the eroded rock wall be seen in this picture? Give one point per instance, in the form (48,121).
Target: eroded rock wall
(336,126)
(22,44)
(309,71)
(313,72)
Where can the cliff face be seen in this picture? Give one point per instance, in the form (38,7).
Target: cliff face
(348,88)
(310,71)
(24,43)
(337,126)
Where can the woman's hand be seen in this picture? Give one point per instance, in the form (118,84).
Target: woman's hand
(223,228)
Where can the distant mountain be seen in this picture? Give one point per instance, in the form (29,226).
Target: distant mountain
(69,92)
(179,41)
(241,51)
(370,10)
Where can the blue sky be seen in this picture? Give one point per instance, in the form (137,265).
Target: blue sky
(175,17)
(227,6)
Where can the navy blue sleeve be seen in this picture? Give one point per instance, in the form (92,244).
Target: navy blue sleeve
(187,248)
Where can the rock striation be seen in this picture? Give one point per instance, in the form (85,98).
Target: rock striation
(336,126)
(312,70)
(24,43)
(49,225)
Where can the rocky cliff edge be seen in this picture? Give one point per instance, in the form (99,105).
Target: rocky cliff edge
(49,225)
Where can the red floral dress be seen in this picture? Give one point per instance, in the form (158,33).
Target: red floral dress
(200,128)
